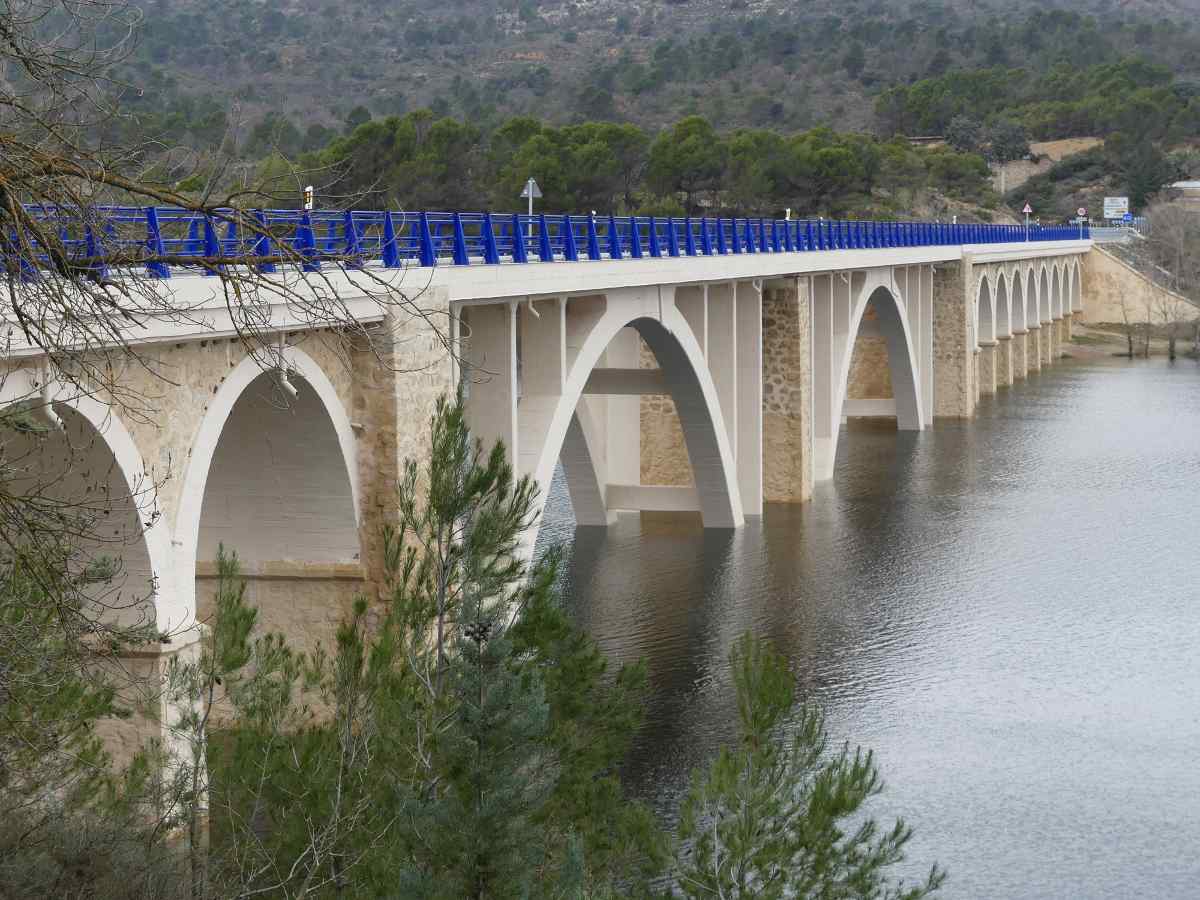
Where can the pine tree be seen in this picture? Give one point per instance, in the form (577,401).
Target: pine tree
(769,818)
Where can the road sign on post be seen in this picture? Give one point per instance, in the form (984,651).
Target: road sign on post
(1028,210)
(308,198)
(1116,207)
(531,192)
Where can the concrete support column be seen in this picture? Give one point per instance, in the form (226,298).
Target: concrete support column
(748,424)
(975,375)
(787,391)
(953,359)
(1004,361)
(1047,341)
(623,425)
(987,367)
(1064,330)
(1034,339)
(491,354)
(1020,354)
(722,353)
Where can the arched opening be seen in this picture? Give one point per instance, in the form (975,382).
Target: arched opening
(1019,307)
(1044,297)
(985,339)
(879,386)
(1017,303)
(589,370)
(1031,299)
(1003,331)
(1076,288)
(76,480)
(273,478)
(1003,324)
(985,316)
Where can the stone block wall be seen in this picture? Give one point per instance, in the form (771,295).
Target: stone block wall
(787,391)
(870,375)
(953,360)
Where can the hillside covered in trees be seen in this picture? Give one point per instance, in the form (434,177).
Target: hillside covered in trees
(455,99)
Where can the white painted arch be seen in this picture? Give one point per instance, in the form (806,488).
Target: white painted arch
(879,288)
(204,445)
(24,384)
(568,432)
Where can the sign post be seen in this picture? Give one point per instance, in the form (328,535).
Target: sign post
(308,198)
(1116,207)
(1028,210)
(531,192)
(1082,218)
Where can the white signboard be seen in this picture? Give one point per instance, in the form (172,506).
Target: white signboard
(1116,207)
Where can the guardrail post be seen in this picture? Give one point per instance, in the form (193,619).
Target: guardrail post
(635,238)
(706,243)
(545,251)
(460,242)
(614,240)
(655,247)
(570,251)
(425,242)
(262,244)
(154,243)
(593,239)
(352,242)
(306,243)
(212,247)
(391,251)
(672,237)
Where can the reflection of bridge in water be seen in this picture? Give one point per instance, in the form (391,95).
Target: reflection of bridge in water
(670,364)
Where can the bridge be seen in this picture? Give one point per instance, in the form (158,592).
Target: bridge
(698,365)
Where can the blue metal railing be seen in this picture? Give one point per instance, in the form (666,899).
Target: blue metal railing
(162,237)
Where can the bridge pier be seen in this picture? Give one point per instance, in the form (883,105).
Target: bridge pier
(1020,354)
(787,391)
(1034,339)
(1004,361)
(1047,342)
(953,356)
(987,367)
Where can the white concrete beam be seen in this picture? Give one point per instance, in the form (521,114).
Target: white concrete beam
(653,498)
(626,382)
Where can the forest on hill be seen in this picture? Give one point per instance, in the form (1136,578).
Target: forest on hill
(270,86)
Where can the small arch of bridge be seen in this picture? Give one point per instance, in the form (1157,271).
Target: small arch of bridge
(571,353)
(872,303)
(272,475)
(86,463)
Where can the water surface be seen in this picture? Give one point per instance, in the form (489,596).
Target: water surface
(1007,611)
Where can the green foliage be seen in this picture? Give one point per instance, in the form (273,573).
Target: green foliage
(781,815)
(419,160)
(460,740)
(1063,101)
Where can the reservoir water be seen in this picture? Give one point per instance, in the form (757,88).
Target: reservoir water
(1007,611)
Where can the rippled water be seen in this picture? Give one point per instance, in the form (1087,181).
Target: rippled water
(1007,611)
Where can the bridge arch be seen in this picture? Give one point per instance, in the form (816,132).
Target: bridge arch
(272,476)
(562,425)
(882,295)
(1031,297)
(985,313)
(1003,306)
(1016,301)
(92,454)
(1044,282)
(1076,294)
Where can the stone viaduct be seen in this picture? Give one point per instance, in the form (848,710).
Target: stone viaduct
(708,383)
